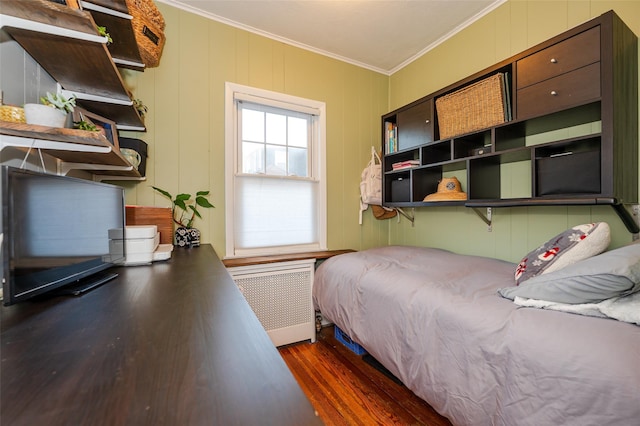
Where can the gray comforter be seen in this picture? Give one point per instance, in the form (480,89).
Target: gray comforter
(433,318)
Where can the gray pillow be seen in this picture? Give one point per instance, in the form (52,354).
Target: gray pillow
(610,274)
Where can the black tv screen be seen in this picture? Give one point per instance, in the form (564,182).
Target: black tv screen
(56,231)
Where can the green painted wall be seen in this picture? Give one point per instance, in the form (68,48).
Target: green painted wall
(185,123)
(508,30)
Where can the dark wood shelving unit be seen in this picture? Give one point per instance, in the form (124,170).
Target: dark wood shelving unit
(65,42)
(573,128)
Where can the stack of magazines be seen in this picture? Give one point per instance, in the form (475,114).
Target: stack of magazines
(405,164)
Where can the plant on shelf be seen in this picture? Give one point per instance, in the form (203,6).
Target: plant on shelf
(52,110)
(58,101)
(84,125)
(184,211)
(140,107)
(103,32)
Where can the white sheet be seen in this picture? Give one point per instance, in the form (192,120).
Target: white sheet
(626,309)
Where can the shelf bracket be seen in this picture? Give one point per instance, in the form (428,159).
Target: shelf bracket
(630,220)
(411,218)
(485,218)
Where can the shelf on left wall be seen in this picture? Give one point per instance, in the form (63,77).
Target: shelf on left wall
(74,149)
(67,45)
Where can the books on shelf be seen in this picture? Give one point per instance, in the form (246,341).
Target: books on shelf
(390,137)
(405,164)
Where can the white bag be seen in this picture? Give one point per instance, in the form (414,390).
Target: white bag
(371,183)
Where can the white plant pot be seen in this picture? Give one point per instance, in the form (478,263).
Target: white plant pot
(44,115)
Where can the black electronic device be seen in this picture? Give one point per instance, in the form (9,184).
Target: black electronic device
(55,232)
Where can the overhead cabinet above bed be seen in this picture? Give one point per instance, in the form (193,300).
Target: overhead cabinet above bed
(554,125)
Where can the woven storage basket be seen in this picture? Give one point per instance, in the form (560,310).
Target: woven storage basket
(148,27)
(12,114)
(477,106)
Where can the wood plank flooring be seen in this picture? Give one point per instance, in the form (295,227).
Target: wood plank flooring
(345,390)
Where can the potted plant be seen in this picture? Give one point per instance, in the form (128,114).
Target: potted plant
(184,211)
(52,111)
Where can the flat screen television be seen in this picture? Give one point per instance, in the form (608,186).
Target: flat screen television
(55,233)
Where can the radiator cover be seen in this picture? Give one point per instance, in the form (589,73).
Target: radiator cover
(280,296)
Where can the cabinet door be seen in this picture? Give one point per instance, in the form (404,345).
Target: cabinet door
(415,125)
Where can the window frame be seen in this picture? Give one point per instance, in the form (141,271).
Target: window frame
(317,172)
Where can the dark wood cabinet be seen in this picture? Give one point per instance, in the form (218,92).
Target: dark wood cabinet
(415,125)
(571,139)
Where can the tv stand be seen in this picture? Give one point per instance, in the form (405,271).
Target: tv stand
(85,285)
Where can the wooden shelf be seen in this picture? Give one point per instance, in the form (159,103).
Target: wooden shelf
(65,42)
(116,18)
(76,149)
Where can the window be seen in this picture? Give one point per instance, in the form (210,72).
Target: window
(275,173)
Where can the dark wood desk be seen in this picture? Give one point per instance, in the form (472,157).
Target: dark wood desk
(174,343)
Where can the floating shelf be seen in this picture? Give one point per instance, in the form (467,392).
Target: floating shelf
(75,149)
(65,42)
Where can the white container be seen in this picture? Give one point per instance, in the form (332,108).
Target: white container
(44,115)
(140,243)
(134,232)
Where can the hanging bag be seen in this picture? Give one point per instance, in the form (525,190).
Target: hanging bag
(371,189)
(371,181)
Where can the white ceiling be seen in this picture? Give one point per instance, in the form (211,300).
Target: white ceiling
(382,35)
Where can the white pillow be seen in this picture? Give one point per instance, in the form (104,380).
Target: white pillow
(611,274)
(566,248)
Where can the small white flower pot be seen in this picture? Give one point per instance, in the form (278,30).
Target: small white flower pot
(44,115)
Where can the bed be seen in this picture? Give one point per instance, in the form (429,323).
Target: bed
(435,320)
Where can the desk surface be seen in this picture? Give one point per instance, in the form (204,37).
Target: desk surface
(174,343)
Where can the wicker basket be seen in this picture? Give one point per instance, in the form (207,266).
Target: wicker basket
(477,106)
(148,27)
(12,114)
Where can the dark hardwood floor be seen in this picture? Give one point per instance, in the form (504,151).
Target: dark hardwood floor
(346,390)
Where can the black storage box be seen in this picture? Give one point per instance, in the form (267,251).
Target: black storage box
(575,173)
(141,147)
(400,190)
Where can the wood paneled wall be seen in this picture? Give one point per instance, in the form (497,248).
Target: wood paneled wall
(185,96)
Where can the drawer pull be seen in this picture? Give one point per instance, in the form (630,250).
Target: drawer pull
(554,93)
(554,61)
(426,121)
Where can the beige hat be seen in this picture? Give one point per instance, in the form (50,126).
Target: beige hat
(382,213)
(449,189)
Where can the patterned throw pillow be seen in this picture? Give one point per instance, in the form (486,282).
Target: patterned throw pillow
(571,246)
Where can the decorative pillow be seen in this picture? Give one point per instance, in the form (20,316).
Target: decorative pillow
(610,274)
(573,245)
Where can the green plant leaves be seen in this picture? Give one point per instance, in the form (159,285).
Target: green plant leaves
(181,200)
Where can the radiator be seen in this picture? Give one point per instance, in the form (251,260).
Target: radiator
(280,296)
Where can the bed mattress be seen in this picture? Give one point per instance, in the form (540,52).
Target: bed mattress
(435,320)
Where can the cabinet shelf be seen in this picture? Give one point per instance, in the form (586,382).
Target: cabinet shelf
(65,42)
(75,149)
(572,138)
